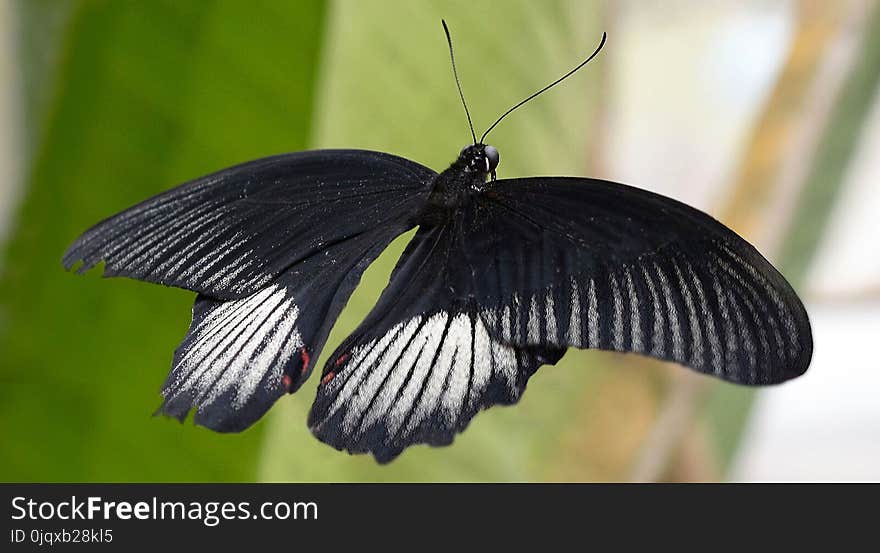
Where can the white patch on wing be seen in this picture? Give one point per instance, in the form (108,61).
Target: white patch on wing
(706,314)
(433,329)
(744,336)
(593,338)
(549,307)
(693,317)
(483,361)
(635,323)
(752,299)
(505,323)
(729,335)
(237,345)
(674,320)
(533,325)
(658,347)
(783,311)
(184,255)
(517,316)
(574,323)
(401,366)
(617,310)
(375,378)
(361,357)
(459,365)
(200,269)
(437,366)
(170,233)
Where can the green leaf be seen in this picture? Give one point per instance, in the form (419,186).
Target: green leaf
(387,84)
(148,94)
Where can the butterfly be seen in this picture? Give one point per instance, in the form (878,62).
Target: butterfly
(502,277)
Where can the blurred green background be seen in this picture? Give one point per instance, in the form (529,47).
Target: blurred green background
(108,102)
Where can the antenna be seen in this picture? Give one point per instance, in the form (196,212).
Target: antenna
(457,82)
(545,89)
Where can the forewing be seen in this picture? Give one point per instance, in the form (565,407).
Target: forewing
(596,264)
(231,233)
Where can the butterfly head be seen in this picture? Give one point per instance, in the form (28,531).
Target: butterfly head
(480,159)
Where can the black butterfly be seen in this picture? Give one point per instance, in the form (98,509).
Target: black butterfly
(501,277)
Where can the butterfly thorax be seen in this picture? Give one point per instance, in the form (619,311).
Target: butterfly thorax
(463,179)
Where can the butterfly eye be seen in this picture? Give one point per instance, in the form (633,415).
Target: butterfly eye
(492,157)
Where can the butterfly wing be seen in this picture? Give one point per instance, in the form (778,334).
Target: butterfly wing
(275,248)
(532,267)
(423,363)
(240,356)
(231,233)
(596,264)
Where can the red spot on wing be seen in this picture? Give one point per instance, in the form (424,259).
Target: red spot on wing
(287,381)
(306,359)
(332,374)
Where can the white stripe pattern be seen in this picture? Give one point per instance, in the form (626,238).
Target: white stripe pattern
(718,314)
(617,309)
(635,319)
(424,367)
(574,323)
(236,346)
